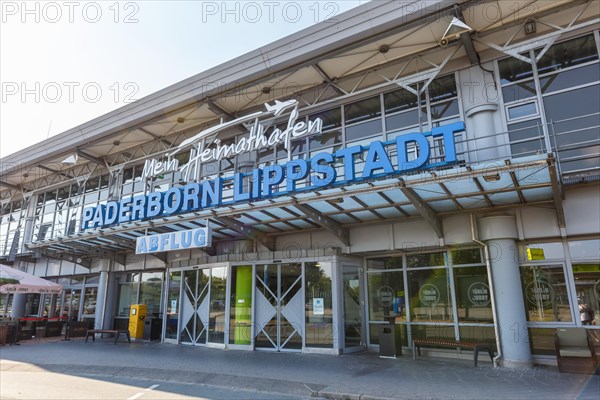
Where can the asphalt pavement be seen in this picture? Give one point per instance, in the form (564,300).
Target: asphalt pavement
(360,376)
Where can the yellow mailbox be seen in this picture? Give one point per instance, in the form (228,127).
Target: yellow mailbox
(137,315)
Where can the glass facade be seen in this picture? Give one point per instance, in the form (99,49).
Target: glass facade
(441,294)
(558,97)
(318,304)
(545,293)
(140,288)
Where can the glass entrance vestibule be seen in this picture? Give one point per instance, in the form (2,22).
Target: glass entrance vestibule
(274,306)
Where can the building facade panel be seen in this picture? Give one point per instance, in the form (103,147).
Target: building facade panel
(453,187)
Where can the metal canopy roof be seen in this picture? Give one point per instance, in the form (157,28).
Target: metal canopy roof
(430,195)
(376,45)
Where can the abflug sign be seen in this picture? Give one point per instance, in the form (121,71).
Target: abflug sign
(280,179)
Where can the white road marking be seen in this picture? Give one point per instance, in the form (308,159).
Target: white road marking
(137,395)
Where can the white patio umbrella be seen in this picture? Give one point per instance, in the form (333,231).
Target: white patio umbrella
(27,283)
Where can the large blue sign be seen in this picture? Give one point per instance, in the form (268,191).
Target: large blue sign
(279,180)
(180,240)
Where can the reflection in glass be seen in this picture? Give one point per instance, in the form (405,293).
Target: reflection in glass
(512,69)
(127,297)
(318,304)
(89,302)
(386,295)
(568,53)
(522,110)
(520,91)
(545,293)
(399,100)
(352,307)
(526,138)
(216,324)
(325,139)
(473,296)
(429,295)
(365,129)
(173,305)
(362,110)
(425,260)
(442,88)
(587,287)
(150,290)
(331,118)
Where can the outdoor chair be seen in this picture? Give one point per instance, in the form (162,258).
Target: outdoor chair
(574,351)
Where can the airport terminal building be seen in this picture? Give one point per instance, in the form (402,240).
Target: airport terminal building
(436,162)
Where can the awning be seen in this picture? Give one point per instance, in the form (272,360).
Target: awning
(528,181)
(27,283)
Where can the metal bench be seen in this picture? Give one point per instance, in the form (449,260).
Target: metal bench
(114,332)
(476,346)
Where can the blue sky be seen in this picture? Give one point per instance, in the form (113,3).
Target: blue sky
(63,63)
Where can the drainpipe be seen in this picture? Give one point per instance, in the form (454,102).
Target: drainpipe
(488,266)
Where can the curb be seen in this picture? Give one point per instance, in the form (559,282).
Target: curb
(349,396)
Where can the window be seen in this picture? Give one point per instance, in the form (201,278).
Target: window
(318,304)
(89,302)
(150,290)
(522,110)
(473,296)
(526,137)
(545,293)
(217,323)
(127,297)
(362,110)
(512,70)
(586,271)
(429,293)
(570,94)
(386,295)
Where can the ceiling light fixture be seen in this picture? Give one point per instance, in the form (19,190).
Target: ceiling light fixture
(491,178)
(454,30)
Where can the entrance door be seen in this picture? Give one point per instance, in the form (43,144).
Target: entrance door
(279,307)
(70,304)
(353,319)
(194,306)
(171,323)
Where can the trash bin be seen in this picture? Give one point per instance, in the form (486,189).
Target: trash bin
(147,329)
(152,328)
(389,342)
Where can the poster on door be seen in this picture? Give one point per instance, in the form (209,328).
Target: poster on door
(318,306)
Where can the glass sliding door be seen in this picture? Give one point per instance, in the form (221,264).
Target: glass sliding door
(218,297)
(240,305)
(194,306)
(352,298)
(70,304)
(172,306)
(279,307)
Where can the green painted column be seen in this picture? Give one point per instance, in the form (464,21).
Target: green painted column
(243,304)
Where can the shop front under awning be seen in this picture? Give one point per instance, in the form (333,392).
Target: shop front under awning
(431,195)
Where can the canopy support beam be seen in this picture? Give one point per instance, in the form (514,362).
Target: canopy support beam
(247,231)
(424,209)
(326,222)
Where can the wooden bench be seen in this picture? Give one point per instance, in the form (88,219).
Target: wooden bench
(476,346)
(114,332)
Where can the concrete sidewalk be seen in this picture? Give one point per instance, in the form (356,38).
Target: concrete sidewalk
(356,376)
